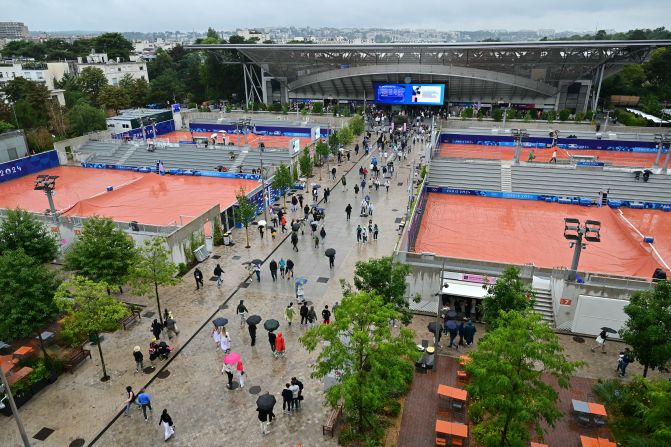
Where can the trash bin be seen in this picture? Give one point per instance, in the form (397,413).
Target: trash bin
(228,239)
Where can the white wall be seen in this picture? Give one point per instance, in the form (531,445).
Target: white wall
(593,313)
(115,71)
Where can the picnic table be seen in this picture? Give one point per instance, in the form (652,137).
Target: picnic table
(537,444)
(452,392)
(463,359)
(23,351)
(451,428)
(586,441)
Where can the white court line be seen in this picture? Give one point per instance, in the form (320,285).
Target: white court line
(654,250)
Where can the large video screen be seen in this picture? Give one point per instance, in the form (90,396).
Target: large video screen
(424,94)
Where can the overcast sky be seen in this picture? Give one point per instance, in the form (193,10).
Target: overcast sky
(162,15)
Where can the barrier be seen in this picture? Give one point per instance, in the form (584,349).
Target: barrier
(259,130)
(28,165)
(161,128)
(146,169)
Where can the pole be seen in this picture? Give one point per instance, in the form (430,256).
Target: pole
(105,377)
(15,118)
(263,187)
(666,161)
(158,302)
(576,255)
(518,149)
(439,306)
(15,411)
(660,149)
(505,114)
(52,207)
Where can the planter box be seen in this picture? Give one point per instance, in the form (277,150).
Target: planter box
(39,386)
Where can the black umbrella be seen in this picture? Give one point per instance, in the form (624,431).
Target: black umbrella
(432,327)
(316,186)
(451,314)
(253,319)
(266,402)
(295,227)
(271,325)
(609,330)
(220,321)
(257,261)
(330,252)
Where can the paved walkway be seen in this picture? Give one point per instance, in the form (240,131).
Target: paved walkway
(79,406)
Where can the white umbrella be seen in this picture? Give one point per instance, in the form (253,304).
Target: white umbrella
(214,135)
(222,131)
(262,223)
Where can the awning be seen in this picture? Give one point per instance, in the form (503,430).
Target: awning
(464,289)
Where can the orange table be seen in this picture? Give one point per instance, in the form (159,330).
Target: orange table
(463,359)
(18,375)
(536,444)
(597,409)
(586,441)
(23,350)
(452,428)
(443,427)
(454,393)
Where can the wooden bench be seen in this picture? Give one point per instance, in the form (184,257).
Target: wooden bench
(130,319)
(331,422)
(77,357)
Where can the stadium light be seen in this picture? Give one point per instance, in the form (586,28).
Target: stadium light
(575,232)
(661,140)
(47,183)
(518,135)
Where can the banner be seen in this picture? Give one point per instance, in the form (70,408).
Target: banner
(28,165)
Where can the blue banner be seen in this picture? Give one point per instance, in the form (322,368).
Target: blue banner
(28,165)
(258,130)
(161,128)
(174,171)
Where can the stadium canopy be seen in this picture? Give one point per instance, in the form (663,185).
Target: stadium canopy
(552,74)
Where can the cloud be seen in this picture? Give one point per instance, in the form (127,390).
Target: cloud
(146,15)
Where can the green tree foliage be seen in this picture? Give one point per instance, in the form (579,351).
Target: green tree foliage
(508,394)
(649,325)
(114,44)
(356,125)
(467,112)
(318,108)
(113,97)
(564,114)
(30,101)
(21,230)
(84,118)
(153,268)
(4,125)
(387,279)
(497,114)
(217,235)
(89,310)
(39,139)
(245,212)
(91,82)
(27,298)
(345,136)
(305,163)
(136,90)
(508,293)
(282,180)
(374,364)
(166,87)
(322,151)
(102,252)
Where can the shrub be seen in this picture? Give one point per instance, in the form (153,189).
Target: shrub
(551,116)
(497,114)
(467,112)
(629,119)
(564,114)
(182,269)
(589,115)
(579,116)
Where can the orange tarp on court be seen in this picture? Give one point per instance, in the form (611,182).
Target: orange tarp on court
(521,232)
(145,198)
(270,141)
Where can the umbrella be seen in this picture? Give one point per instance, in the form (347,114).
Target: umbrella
(314,222)
(214,135)
(432,327)
(301,280)
(271,325)
(253,319)
(315,186)
(296,227)
(257,261)
(451,314)
(330,252)
(609,330)
(222,131)
(232,358)
(451,324)
(262,223)
(220,321)
(266,402)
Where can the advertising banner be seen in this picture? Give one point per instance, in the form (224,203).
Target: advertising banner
(28,165)
(419,94)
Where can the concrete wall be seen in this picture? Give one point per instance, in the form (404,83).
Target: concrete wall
(176,241)
(12,146)
(75,143)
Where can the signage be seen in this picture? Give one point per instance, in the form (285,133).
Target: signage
(474,278)
(28,165)
(419,94)
(565,301)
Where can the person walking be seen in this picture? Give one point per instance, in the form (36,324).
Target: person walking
(322,233)
(364,236)
(304,314)
(225,341)
(216,336)
(386,184)
(272,339)
(327,193)
(228,369)
(241,374)
(601,341)
(300,200)
(453,335)
(333,173)
(312,316)
(469,333)
(289,313)
(348,211)
(263,418)
(251,328)
(553,159)
(326,315)
(287,399)
(299,384)
(359,231)
(261,231)
(344,183)
(294,240)
(171,326)
(376,230)
(356,189)
(139,359)
(294,203)
(460,331)
(168,425)
(273,270)
(280,346)
(130,400)
(283,266)
(198,275)
(624,359)
(257,270)
(295,390)
(156,329)
(144,399)
(241,310)
(290,269)
(331,261)
(306,212)
(283,224)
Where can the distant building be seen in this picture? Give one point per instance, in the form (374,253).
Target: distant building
(253,34)
(132,119)
(13,31)
(41,72)
(114,69)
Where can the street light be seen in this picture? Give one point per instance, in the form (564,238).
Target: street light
(518,135)
(661,140)
(11,104)
(575,232)
(47,183)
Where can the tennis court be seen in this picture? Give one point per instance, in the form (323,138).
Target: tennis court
(274,141)
(521,232)
(146,198)
(634,159)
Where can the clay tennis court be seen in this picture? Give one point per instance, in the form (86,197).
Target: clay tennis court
(633,159)
(145,198)
(274,141)
(521,232)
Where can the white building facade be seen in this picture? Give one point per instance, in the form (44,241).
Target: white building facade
(114,69)
(41,72)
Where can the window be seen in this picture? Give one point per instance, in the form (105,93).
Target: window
(142,77)
(141,67)
(125,126)
(119,68)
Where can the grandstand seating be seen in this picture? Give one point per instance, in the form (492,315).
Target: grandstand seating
(466,174)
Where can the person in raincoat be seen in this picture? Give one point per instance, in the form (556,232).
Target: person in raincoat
(469,333)
(280,346)
(289,313)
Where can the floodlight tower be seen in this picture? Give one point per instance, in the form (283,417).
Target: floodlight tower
(47,183)
(518,134)
(661,140)
(575,232)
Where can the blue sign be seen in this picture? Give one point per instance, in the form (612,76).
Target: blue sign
(418,94)
(28,165)
(590,163)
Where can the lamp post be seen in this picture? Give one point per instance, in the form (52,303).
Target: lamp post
(263,186)
(575,232)
(47,183)
(4,387)
(11,104)
(518,135)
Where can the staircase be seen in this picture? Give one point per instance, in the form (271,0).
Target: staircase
(238,161)
(544,306)
(127,153)
(506,176)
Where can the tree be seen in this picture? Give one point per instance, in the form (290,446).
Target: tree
(508,394)
(102,253)
(90,311)
(305,163)
(136,90)
(57,122)
(114,44)
(345,136)
(153,268)
(21,230)
(508,293)
(357,125)
(30,100)
(649,325)
(27,298)
(113,97)
(84,118)
(166,87)
(373,364)
(317,107)
(245,212)
(322,151)
(91,82)
(282,180)
(387,279)
(40,139)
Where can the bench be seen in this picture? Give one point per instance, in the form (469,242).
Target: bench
(77,357)
(130,319)
(332,420)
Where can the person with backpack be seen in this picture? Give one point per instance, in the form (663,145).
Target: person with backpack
(326,315)
(298,398)
(130,400)
(624,359)
(198,275)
